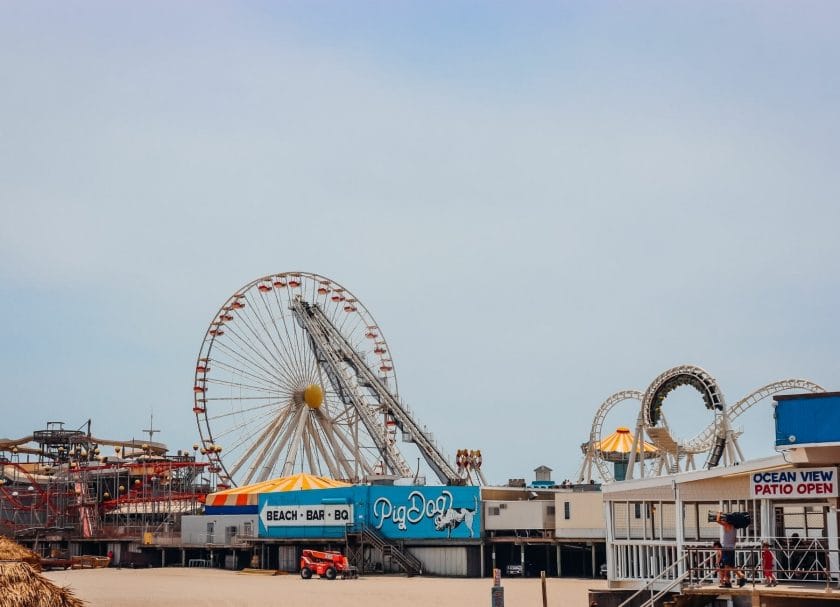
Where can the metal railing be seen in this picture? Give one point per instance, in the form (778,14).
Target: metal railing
(795,560)
(672,576)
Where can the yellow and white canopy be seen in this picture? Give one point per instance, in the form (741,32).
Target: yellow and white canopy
(249,494)
(620,442)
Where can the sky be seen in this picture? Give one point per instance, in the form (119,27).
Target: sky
(540,203)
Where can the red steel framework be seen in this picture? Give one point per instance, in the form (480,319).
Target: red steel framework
(57,485)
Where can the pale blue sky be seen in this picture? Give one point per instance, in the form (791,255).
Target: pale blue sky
(541,204)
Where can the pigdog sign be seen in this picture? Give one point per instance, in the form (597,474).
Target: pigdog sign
(795,483)
(426,512)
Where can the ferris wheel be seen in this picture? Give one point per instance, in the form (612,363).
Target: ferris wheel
(295,375)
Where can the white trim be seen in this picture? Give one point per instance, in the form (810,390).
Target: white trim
(776,461)
(792,446)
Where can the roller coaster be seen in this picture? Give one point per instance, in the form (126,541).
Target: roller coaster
(666,454)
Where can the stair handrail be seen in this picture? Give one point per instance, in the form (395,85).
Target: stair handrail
(406,559)
(649,584)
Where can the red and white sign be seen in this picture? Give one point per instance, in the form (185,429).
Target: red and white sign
(796,483)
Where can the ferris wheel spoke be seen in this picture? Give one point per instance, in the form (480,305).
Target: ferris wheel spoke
(242,426)
(240,385)
(263,351)
(266,437)
(246,359)
(294,444)
(306,439)
(269,459)
(295,355)
(241,372)
(236,398)
(295,351)
(276,349)
(248,439)
(275,363)
(292,359)
(272,404)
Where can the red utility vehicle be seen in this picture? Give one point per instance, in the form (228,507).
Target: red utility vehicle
(325,564)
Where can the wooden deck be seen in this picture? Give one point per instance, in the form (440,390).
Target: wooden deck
(760,595)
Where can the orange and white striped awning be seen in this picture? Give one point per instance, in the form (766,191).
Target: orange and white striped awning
(621,441)
(249,494)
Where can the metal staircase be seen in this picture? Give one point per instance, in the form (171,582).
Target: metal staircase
(407,561)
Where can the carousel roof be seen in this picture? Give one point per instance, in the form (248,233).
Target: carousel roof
(248,495)
(621,442)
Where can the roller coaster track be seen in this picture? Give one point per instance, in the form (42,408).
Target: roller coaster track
(703,441)
(713,439)
(596,433)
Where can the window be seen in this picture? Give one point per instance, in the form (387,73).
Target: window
(492,511)
(550,510)
(567,510)
(637,510)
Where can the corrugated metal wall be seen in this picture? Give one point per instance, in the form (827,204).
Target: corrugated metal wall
(287,558)
(448,560)
(194,529)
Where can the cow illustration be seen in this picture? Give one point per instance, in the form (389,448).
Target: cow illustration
(453,517)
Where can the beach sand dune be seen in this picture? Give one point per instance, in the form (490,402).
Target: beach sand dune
(178,587)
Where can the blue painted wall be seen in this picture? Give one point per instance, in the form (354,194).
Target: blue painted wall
(807,419)
(397,512)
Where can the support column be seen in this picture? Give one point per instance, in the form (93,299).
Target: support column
(609,539)
(183,558)
(481,569)
(522,557)
(559,562)
(679,515)
(768,521)
(831,524)
(594,563)
(493,555)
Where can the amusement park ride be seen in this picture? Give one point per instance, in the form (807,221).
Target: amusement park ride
(295,375)
(665,454)
(58,483)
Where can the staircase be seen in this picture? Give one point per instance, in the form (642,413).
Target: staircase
(672,583)
(407,561)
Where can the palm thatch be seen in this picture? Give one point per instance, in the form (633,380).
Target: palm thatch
(22,586)
(12,551)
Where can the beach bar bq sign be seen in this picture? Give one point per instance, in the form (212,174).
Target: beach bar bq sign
(306,516)
(795,483)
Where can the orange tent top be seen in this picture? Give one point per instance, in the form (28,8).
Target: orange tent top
(621,441)
(248,495)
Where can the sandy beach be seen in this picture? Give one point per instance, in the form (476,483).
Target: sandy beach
(178,587)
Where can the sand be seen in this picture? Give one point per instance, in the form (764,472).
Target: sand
(179,587)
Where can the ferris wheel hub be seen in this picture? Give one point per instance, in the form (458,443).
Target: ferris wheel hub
(313,396)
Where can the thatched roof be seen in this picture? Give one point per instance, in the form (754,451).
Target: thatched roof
(22,586)
(12,551)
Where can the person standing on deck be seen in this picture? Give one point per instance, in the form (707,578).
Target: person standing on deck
(768,565)
(727,559)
